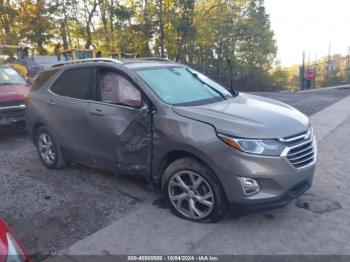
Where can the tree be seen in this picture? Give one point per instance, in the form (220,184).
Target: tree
(34,23)
(89,7)
(201,33)
(62,14)
(280,78)
(161,25)
(183,24)
(256,47)
(8,14)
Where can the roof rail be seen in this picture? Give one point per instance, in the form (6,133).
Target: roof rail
(82,61)
(153,58)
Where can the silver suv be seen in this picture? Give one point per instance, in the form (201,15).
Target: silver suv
(207,149)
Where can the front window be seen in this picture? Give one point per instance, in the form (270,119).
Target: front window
(116,89)
(9,76)
(182,86)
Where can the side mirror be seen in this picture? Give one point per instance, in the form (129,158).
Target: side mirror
(144,109)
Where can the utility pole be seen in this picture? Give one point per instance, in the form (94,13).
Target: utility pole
(161,27)
(348,66)
(315,71)
(302,74)
(328,62)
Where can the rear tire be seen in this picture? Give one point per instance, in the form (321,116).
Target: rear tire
(193,192)
(49,151)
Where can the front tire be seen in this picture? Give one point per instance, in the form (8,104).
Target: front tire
(49,151)
(193,192)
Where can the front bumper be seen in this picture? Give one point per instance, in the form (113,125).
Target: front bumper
(239,209)
(11,121)
(278,179)
(12,115)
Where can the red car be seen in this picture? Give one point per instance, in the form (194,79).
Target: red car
(13,92)
(10,249)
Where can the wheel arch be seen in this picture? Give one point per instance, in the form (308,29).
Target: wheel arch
(174,155)
(35,129)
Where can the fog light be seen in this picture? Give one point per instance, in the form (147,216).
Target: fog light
(249,185)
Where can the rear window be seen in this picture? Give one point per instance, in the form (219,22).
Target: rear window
(74,83)
(42,78)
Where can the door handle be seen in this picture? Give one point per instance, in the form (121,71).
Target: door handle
(50,102)
(97,112)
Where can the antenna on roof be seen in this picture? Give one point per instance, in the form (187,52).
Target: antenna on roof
(231,74)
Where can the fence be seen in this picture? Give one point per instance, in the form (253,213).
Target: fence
(330,71)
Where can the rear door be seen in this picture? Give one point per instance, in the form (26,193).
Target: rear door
(66,109)
(120,124)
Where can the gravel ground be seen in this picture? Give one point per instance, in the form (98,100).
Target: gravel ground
(309,102)
(50,210)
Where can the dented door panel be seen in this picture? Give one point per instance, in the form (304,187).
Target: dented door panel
(121,138)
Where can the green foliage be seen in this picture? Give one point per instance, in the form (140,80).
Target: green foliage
(35,26)
(280,78)
(201,33)
(8,14)
(256,48)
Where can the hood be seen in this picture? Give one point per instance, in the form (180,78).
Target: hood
(9,93)
(3,241)
(249,116)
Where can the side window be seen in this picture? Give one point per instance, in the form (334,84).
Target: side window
(74,83)
(42,78)
(116,89)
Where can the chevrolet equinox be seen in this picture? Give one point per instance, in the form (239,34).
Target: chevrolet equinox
(207,149)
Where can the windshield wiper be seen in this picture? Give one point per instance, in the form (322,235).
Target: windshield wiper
(204,83)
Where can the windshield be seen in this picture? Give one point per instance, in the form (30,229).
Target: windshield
(9,76)
(211,83)
(182,86)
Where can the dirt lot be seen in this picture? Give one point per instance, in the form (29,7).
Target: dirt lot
(50,210)
(309,102)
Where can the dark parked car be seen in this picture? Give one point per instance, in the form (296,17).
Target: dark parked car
(13,92)
(206,148)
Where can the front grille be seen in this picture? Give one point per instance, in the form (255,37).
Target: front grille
(12,109)
(12,113)
(302,151)
(11,103)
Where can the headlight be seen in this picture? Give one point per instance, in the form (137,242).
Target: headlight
(15,253)
(267,147)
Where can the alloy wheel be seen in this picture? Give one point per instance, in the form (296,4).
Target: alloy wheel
(47,148)
(191,195)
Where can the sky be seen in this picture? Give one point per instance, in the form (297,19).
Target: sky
(309,25)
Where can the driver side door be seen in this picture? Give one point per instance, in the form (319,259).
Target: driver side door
(120,125)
